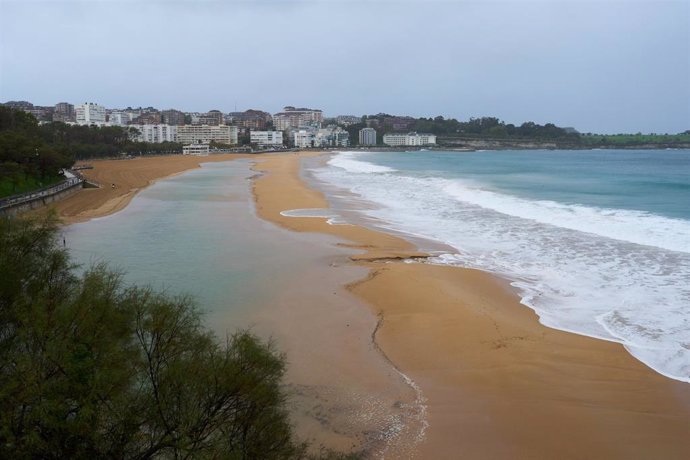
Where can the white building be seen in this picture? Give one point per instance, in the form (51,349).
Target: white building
(195,134)
(119,118)
(89,113)
(195,149)
(266,138)
(155,133)
(367,136)
(332,137)
(304,138)
(409,139)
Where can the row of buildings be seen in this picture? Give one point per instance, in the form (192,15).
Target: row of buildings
(299,126)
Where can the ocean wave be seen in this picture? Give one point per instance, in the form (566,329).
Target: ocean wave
(616,275)
(348,161)
(626,225)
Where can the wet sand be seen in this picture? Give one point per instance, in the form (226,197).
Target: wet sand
(498,384)
(128,176)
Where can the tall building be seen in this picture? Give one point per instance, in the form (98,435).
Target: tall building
(367,136)
(155,133)
(204,134)
(249,119)
(172,117)
(266,138)
(212,118)
(89,113)
(292,117)
(410,139)
(64,112)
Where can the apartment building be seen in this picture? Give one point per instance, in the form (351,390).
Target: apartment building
(367,136)
(332,137)
(119,118)
(204,134)
(155,133)
(409,140)
(89,113)
(249,119)
(292,117)
(64,112)
(266,138)
(212,118)
(304,138)
(172,117)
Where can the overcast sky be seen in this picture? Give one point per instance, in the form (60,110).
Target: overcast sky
(600,66)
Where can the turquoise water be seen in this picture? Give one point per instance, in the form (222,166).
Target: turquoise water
(655,181)
(194,234)
(598,242)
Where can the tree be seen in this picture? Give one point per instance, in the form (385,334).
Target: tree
(90,368)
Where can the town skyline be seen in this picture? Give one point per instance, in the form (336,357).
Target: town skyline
(599,66)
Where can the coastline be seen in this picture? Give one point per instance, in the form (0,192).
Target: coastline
(498,384)
(129,177)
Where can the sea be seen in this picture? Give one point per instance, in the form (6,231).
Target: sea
(597,242)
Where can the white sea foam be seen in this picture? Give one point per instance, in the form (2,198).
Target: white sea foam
(612,274)
(348,161)
(621,224)
(332,217)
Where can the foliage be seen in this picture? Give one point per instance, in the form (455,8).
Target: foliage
(13,182)
(635,139)
(90,368)
(24,156)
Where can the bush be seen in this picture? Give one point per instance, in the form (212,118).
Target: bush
(90,368)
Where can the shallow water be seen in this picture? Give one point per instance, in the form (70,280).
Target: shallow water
(197,233)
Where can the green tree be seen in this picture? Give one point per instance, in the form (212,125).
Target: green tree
(90,368)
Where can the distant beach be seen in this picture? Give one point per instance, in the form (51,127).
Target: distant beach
(488,379)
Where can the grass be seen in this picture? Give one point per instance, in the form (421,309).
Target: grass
(24,183)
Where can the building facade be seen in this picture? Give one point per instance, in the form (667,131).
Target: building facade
(249,119)
(212,118)
(119,118)
(204,134)
(148,118)
(266,138)
(367,136)
(304,139)
(195,149)
(172,117)
(89,113)
(332,137)
(64,112)
(296,118)
(409,140)
(155,133)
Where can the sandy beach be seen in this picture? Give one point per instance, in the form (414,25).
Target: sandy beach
(497,383)
(128,177)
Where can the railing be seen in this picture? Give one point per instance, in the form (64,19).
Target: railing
(41,193)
